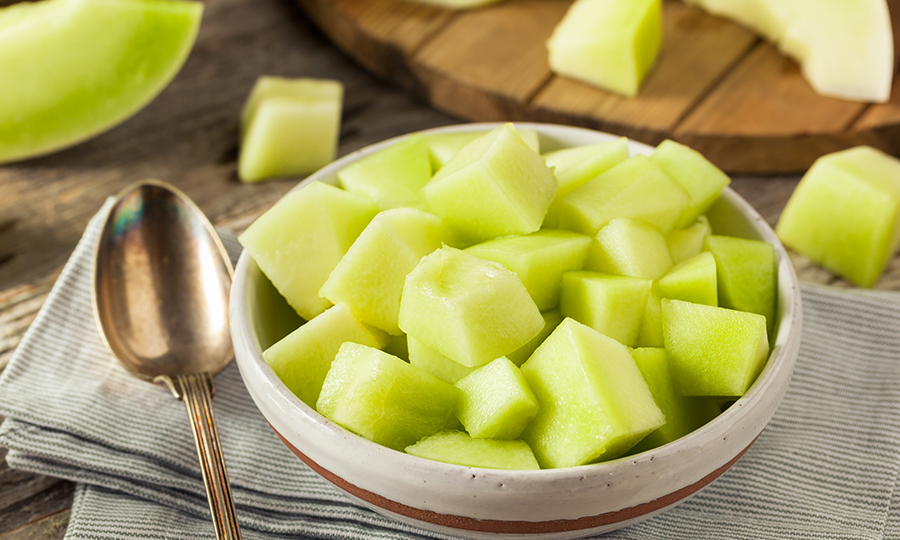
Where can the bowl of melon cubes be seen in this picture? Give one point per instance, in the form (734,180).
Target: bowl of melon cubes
(534,330)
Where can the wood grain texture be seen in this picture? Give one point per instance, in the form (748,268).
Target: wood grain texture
(715,86)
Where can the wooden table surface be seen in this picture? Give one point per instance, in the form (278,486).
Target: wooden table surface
(188,136)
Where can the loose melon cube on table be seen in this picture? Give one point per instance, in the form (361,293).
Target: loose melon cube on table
(458,448)
(469,309)
(495,401)
(429,360)
(693,280)
(299,241)
(608,43)
(495,186)
(289,127)
(610,304)
(702,180)
(747,275)
(552,318)
(392,177)
(650,334)
(302,358)
(443,146)
(384,399)
(685,243)
(539,259)
(575,166)
(637,188)
(595,404)
(629,248)
(370,276)
(713,351)
(845,213)
(683,414)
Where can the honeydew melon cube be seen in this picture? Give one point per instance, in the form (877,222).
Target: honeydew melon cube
(650,334)
(458,448)
(693,280)
(75,68)
(397,346)
(685,243)
(552,318)
(573,167)
(384,399)
(629,248)
(370,276)
(539,259)
(443,146)
(610,304)
(595,404)
(467,308)
(702,180)
(289,127)
(637,188)
(713,351)
(299,241)
(683,414)
(494,186)
(302,358)
(495,401)
(392,177)
(429,360)
(747,275)
(608,43)
(845,213)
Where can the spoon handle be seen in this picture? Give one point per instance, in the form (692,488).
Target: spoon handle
(196,392)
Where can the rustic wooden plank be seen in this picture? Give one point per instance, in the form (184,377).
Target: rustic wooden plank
(50,527)
(485,64)
(18,308)
(698,50)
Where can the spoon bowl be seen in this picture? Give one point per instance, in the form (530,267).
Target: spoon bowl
(161,281)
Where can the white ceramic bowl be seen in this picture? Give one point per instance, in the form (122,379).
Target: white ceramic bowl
(545,504)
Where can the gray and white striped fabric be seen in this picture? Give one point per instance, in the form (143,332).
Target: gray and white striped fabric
(825,467)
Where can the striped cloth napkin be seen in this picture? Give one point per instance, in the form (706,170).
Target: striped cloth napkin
(825,467)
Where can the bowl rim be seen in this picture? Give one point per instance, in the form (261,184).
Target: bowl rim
(775,374)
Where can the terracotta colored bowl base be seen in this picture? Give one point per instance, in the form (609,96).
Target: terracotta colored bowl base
(512,527)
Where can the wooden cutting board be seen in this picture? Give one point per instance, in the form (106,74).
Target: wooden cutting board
(715,86)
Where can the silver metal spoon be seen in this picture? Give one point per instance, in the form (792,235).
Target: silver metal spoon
(161,280)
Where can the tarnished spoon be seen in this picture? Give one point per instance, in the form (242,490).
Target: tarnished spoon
(161,280)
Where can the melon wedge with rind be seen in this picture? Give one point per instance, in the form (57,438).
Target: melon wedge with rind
(458,448)
(73,69)
(495,401)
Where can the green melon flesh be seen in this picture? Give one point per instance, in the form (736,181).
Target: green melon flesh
(713,351)
(685,243)
(495,186)
(608,43)
(73,69)
(302,358)
(693,280)
(384,399)
(573,167)
(495,401)
(429,360)
(651,334)
(629,248)
(595,404)
(702,180)
(467,308)
(845,214)
(458,448)
(747,275)
(539,259)
(392,177)
(443,146)
(610,304)
(370,276)
(397,346)
(552,318)
(683,414)
(637,188)
(299,241)
(289,127)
